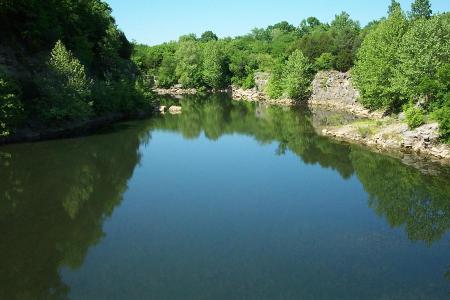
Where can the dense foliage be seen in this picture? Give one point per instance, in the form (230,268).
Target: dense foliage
(90,60)
(67,87)
(405,60)
(398,61)
(216,63)
(10,105)
(293,79)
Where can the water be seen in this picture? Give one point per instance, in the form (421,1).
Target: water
(226,201)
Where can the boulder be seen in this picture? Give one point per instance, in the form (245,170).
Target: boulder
(174,110)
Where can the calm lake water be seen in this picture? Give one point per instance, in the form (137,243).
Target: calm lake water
(227,201)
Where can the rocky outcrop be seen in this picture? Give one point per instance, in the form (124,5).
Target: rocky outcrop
(334,90)
(330,90)
(253,95)
(261,80)
(394,135)
(178,91)
(175,91)
(175,110)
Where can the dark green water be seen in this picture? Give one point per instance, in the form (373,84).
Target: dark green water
(226,201)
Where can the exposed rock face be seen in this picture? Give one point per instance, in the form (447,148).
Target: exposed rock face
(261,80)
(334,90)
(334,86)
(253,95)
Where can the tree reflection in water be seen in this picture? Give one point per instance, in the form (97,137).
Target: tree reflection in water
(55,196)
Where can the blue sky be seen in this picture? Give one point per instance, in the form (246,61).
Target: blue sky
(156,21)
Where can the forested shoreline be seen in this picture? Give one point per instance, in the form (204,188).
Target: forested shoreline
(66,62)
(400,63)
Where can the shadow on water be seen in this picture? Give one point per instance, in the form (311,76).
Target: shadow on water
(55,196)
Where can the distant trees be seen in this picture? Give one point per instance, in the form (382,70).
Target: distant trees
(210,62)
(167,71)
(189,63)
(341,39)
(395,61)
(208,36)
(395,5)
(215,68)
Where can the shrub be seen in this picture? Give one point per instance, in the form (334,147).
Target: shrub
(365,131)
(123,96)
(414,115)
(442,115)
(324,62)
(249,81)
(11,110)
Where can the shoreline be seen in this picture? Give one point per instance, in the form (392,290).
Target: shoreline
(379,132)
(73,130)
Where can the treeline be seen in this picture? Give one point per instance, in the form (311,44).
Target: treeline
(210,62)
(63,61)
(400,62)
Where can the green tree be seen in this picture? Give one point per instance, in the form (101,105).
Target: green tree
(421,9)
(189,64)
(414,115)
(424,50)
(297,76)
(215,67)
(167,71)
(66,88)
(395,5)
(208,36)
(314,44)
(377,61)
(325,61)
(345,32)
(309,24)
(191,37)
(274,87)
